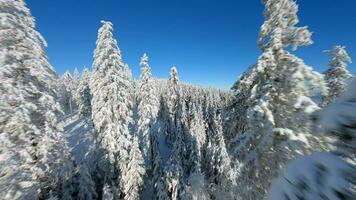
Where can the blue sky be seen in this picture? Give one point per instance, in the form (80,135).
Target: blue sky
(210,41)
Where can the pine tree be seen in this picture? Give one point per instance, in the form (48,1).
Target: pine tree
(54,154)
(173,78)
(278,126)
(197,136)
(134,174)
(221,175)
(176,185)
(83,96)
(236,121)
(130,84)
(29,128)
(171,100)
(326,175)
(174,171)
(69,86)
(86,184)
(111,105)
(159,189)
(76,78)
(163,120)
(104,86)
(337,76)
(197,186)
(147,109)
(125,142)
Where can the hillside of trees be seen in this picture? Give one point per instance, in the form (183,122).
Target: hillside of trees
(283,132)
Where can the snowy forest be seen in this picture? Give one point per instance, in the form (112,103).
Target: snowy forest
(283,132)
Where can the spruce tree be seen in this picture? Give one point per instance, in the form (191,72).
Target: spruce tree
(83,95)
(147,110)
(130,84)
(198,137)
(337,76)
(67,95)
(111,105)
(158,181)
(326,175)
(104,88)
(236,120)
(172,102)
(54,155)
(278,125)
(76,78)
(32,143)
(86,186)
(220,174)
(133,177)
(175,175)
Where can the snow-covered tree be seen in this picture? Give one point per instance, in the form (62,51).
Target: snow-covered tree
(278,125)
(86,185)
(160,191)
(337,76)
(182,119)
(83,96)
(163,119)
(158,181)
(104,88)
(198,137)
(218,166)
(176,185)
(111,105)
(54,154)
(176,188)
(147,110)
(325,175)
(172,101)
(67,87)
(133,177)
(32,144)
(76,78)
(236,120)
(130,84)
(173,77)
(107,193)
(174,108)
(68,80)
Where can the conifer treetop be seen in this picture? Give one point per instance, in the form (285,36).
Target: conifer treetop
(173,78)
(67,74)
(338,57)
(107,52)
(280,27)
(144,60)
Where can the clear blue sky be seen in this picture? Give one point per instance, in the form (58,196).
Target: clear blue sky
(210,41)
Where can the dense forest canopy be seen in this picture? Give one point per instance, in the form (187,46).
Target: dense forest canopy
(284,130)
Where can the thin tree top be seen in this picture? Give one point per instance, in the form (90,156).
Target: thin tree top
(144,60)
(338,57)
